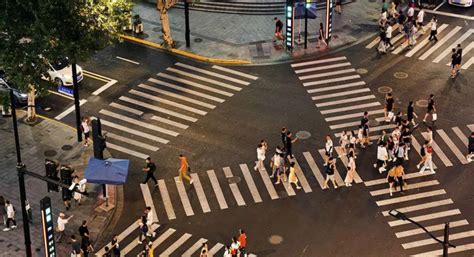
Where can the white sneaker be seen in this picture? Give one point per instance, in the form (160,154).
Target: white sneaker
(6,229)
(375,165)
(191,181)
(418,166)
(140,242)
(14,226)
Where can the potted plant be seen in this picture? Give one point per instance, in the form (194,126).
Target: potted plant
(137,24)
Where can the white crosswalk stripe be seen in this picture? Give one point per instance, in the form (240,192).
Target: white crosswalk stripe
(465,51)
(325,67)
(468,64)
(158,109)
(407,176)
(194,84)
(162,237)
(424,42)
(337,175)
(421,206)
(433,228)
(459,248)
(238,81)
(405,44)
(245,75)
(452,146)
(200,193)
(268,183)
(177,96)
(353,115)
(130,141)
(343,101)
(166,199)
(432,241)
(217,189)
(350,108)
(149,200)
(215,82)
(410,197)
(327,74)
(314,168)
(460,135)
(233,187)
(352,124)
(326,81)
(301,178)
(459,41)
(194,248)
(377,39)
(347,85)
(295,65)
(409,187)
(167,102)
(126,108)
(439,43)
(430,216)
(132,131)
(215,249)
(439,152)
(350,92)
(250,183)
(175,245)
(186,90)
(188,209)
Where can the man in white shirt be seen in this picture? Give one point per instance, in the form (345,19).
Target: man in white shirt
(434,29)
(382,157)
(388,34)
(62,221)
(10,216)
(411,12)
(419,19)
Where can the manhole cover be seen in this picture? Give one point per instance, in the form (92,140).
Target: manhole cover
(50,153)
(303,134)
(275,239)
(422,103)
(385,90)
(400,75)
(47,109)
(362,71)
(93,98)
(67,147)
(374,123)
(147,116)
(198,40)
(234,180)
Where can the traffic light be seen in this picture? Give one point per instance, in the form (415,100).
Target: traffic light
(52,173)
(66,178)
(99,140)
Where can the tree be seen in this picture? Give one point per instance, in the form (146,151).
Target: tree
(163,6)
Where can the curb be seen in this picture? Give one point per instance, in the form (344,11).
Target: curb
(184,53)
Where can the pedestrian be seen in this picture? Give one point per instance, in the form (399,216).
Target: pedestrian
(399,119)
(428,158)
(411,115)
(400,153)
(458,58)
(10,211)
(412,35)
(411,12)
(278,30)
(391,177)
(75,247)
(61,226)
(184,169)
(430,109)
(85,122)
(434,29)
(419,19)
(401,21)
(322,36)
(149,218)
(29,211)
(406,139)
(365,129)
(344,141)
(454,60)
(382,48)
(234,247)
(227,251)
(328,147)
(383,138)
(338,7)
(280,169)
(390,148)
(261,149)
(143,229)
(107,253)
(351,169)
(289,145)
(204,250)
(292,178)
(79,189)
(399,173)
(275,161)
(84,231)
(283,132)
(86,247)
(429,135)
(382,157)
(329,169)
(388,34)
(3,210)
(384,5)
(150,168)
(470,148)
(389,105)
(242,243)
(115,246)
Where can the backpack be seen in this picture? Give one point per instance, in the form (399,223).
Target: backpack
(429,149)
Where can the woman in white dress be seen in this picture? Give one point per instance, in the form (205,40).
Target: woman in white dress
(344,141)
(351,169)
(261,149)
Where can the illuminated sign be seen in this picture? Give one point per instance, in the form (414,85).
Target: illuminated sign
(289,36)
(66,90)
(329,18)
(48,227)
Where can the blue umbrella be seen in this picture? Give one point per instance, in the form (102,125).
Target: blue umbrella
(110,171)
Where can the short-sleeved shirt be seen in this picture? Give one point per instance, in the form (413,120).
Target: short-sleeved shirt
(329,169)
(389,103)
(76,247)
(278,26)
(431,104)
(410,112)
(83,230)
(151,167)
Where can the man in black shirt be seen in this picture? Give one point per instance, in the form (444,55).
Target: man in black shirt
(289,144)
(76,247)
(431,109)
(411,115)
(84,230)
(150,169)
(278,29)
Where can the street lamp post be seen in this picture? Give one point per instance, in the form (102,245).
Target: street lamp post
(186,23)
(401,216)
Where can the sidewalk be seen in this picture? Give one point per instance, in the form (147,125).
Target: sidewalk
(248,37)
(46,139)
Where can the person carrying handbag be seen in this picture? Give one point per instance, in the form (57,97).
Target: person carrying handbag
(184,169)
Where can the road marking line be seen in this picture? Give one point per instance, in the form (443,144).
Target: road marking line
(184,197)
(159,240)
(126,108)
(326,81)
(352,124)
(288,188)
(234,188)
(132,131)
(453,45)
(350,108)
(149,200)
(238,81)
(439,6)
(131,141)
(186,90)
(294,65)
(327,74)
(212,81)
(353,115)
(432,241)
(250,183)
(166,200)
(460,135)
(464,51)
(215,249)
(61,95)
(440,43)
(140,123)
(134,242)
(417,147)
(350,92)
(339,180)
(127,151)
(194,248)
(471,127)
(408,187)
(268,183)
(323,89)
(158,109)
(127,60)
(177,96)
(345,161)
(468,63)
(245,75)
(69,110)
(405,44)
(314,168)
(465,17)
(424,42)
(459,248)
(421,206)
(433,228)
(200,193)
(194,84)
(409,197)
(96,76)
(439,152)
(169,122)
(426,217)
(326,67)
(452,146)
(175,245)
(301,178)
(104,87)
(350,100)
(406,177)
(120,237)
(372,129)
(377,39)
(168,102)
(217,189)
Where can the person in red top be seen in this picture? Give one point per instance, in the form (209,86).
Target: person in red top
(243,242)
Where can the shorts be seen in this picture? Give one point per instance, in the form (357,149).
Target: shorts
(331,177)
(420,24)
(86,135)
(429,111)
(470,150)
(391,179)
(389,108)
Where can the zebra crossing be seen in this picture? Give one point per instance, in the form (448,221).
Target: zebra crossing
(154,112)
(448,38)
(427,203)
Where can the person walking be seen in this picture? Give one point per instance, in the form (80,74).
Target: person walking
(411,12)
(278,35)
(184,169)
(322,36)
(150,168)
(399,174)
(412,35)
(389,105)
(275,161)
(329,169)
(84,232)
(365,130)
(351,169)
(242,243)
(227,251)
(143,229)
(61,226)
(75,247)
(234,247)
(204,250)
(382,157)
(85,122)
(115,246)
(292,178)
(391,177)
(86,247)
(454,59)
(470,148)
(419,20)
(10,212)
(388,34)
(458,59)
(79,189)
(422,154)
(428,158)
(289,145)
(3,210)
(429,135)
(338,9)
(280,169)
(328,147)
(261,149)
(411,115)
(430,109)
(400,153)
(344,141)
(406,140)
(434,29)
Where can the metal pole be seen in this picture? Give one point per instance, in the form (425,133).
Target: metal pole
(21,180)
(446,239)
(186,21)
(76,100)
(305,26)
